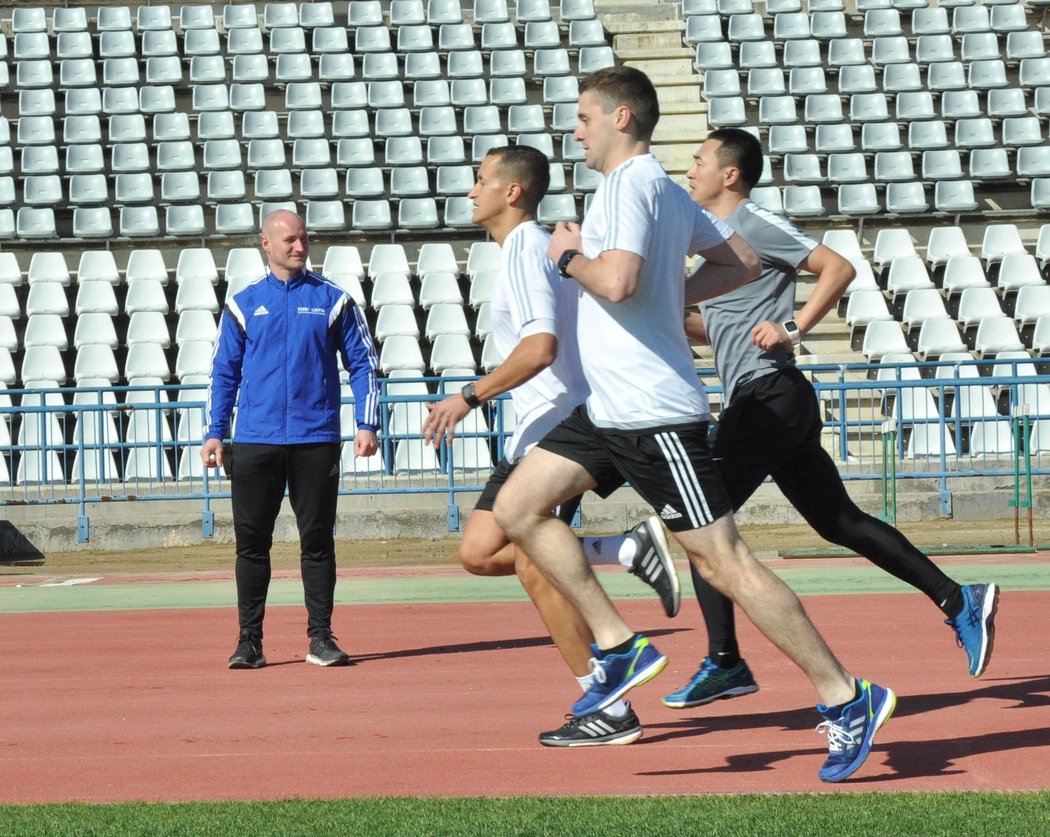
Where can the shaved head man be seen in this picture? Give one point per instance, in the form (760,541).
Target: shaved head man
(277,361)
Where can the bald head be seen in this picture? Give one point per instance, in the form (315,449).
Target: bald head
(285,242)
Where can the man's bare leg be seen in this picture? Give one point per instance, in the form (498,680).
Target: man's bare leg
(540,482)
(563,622)
(724,560)
(485,550)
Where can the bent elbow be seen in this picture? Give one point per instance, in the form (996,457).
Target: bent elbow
(621,289)
(752,266)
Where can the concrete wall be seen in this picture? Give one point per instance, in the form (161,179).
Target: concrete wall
(155,525)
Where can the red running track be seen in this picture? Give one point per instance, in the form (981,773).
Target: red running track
(446,700)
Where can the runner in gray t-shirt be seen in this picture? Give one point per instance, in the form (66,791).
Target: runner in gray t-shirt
(771,424)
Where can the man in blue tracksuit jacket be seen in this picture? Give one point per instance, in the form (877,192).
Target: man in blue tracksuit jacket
(276,359)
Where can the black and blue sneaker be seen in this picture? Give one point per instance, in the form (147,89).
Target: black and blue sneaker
(711,683)
(975,625)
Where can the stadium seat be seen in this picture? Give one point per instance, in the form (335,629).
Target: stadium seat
(938,336)
(882,337)
(976,303)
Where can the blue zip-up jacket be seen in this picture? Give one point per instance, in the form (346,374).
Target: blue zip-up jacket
(275,358)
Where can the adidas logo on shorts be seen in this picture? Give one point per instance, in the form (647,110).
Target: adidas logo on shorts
(668,513)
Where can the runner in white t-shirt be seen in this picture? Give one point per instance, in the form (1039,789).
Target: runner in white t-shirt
(534,326)
(646,418)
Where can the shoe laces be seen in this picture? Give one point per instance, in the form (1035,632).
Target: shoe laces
(970,617)
(597,670)
(706,667)
(839,738)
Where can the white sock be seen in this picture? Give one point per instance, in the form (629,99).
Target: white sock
(611,549)
(617,708)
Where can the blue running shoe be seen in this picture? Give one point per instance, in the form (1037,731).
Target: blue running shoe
(616,674)
(711,683)
(851,730)
(975,625)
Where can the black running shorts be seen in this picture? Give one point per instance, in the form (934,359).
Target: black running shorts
(487,501)
(669,466)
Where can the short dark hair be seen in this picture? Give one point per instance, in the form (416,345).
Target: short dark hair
(627,86)
(740,148)
(526,166)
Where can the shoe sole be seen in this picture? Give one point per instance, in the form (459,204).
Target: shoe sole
(317,661)
(885,711)
(640,677)
(736,691)
(656,526)
(241,664)
(626,737)
(991,605)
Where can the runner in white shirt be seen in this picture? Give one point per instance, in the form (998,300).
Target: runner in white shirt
(633,348)
(534,326)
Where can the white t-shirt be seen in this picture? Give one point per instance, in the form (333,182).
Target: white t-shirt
(634,353)
(531,297)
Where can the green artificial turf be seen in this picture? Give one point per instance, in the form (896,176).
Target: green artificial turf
(838,815)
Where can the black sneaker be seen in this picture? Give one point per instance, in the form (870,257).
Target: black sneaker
(324,652)
(653,564)
(249,653)
(594,730)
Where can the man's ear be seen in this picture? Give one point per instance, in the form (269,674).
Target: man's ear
(515,192)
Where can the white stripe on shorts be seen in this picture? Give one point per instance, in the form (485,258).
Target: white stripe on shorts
(685,478)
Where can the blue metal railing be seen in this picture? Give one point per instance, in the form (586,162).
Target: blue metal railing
(941,421)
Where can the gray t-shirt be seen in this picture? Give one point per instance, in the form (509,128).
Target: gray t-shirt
(730,318)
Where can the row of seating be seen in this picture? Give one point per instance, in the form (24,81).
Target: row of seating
(862,200)
(309,15)
(163,73)
(934,166)
(239,97)
(858,7)
(42,365)
(364,40)
(967,134)
(929,51)
(893,79)
(304,153)
(955,300)
(267,185)
(236,219)
(750,25)
(142,312)
(358,123)
(238,263)
(861,109)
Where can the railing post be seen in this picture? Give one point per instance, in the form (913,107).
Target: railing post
(843,424)
(889,470)
(1020,413)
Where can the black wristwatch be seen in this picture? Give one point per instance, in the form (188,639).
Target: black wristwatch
(563,262)
(468,395)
